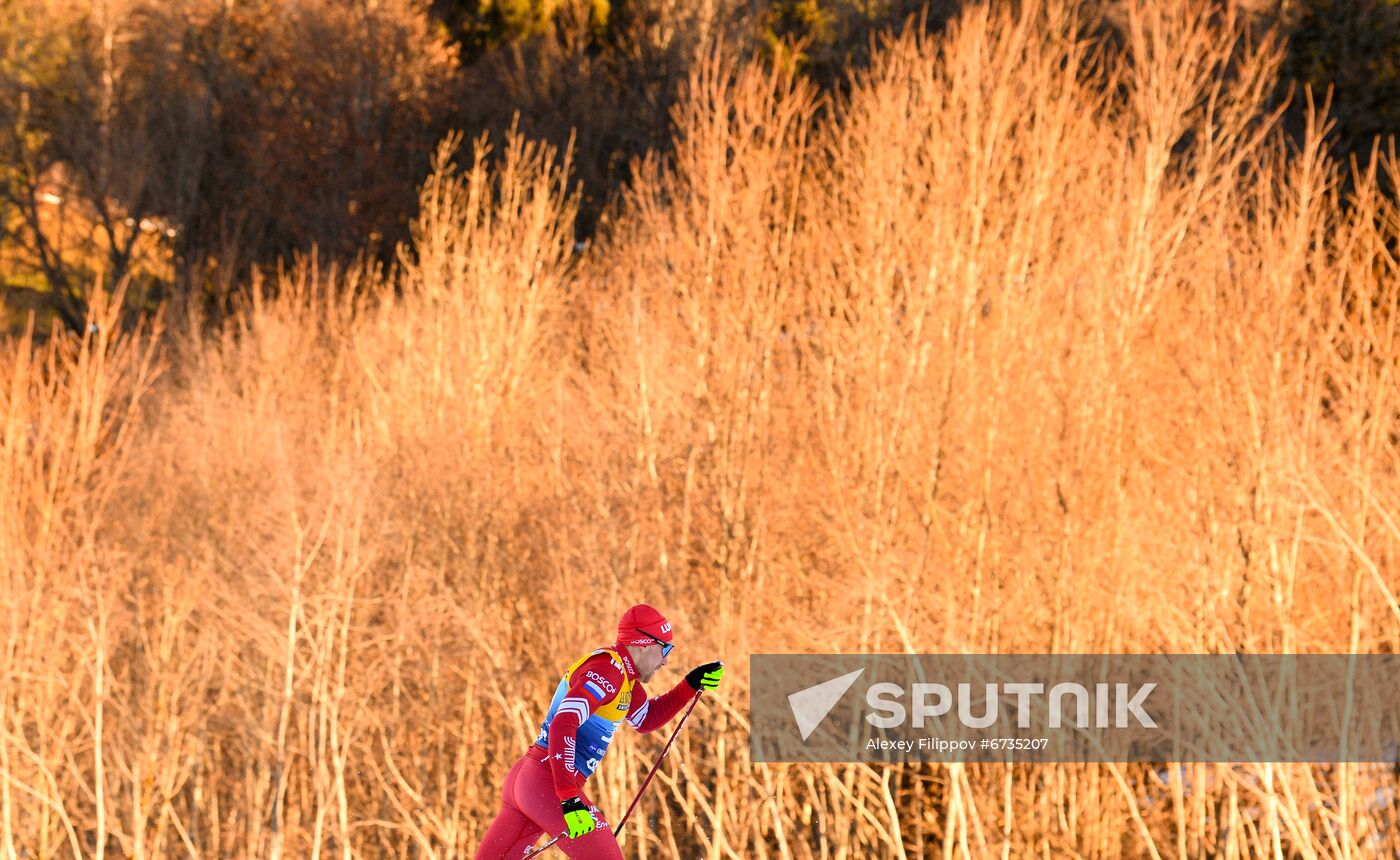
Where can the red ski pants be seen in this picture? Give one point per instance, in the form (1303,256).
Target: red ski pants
(529,808)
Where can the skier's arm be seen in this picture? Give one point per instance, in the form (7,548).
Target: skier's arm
(588,691)
(648,715)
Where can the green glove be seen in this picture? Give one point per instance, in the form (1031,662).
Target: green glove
(577,817)
(705,677)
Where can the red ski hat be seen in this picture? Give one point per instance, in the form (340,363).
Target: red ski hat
(640,624)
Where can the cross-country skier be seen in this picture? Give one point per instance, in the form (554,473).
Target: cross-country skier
(543,791)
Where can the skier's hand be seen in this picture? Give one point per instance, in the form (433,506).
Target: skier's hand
(706,677)
(577,817)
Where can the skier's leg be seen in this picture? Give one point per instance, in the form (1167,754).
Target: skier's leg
(534,795)
(513,832)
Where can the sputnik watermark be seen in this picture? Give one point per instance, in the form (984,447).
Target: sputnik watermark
(1075,707)
(886,697)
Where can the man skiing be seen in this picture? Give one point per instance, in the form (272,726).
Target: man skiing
(543,791)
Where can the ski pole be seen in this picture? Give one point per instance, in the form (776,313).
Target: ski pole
(652,772)
(550,844)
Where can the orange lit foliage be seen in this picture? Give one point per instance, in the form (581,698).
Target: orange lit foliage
(1027,344)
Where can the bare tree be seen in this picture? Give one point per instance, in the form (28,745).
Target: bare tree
(72,139)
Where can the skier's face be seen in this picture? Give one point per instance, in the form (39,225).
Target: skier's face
(649,659)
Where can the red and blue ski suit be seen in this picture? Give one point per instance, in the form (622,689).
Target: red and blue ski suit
(598,692)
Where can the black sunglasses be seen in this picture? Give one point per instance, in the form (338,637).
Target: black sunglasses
(665,646)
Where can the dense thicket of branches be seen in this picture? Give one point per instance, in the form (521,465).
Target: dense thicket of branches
(1028,341)
(180,143)
(202,133)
